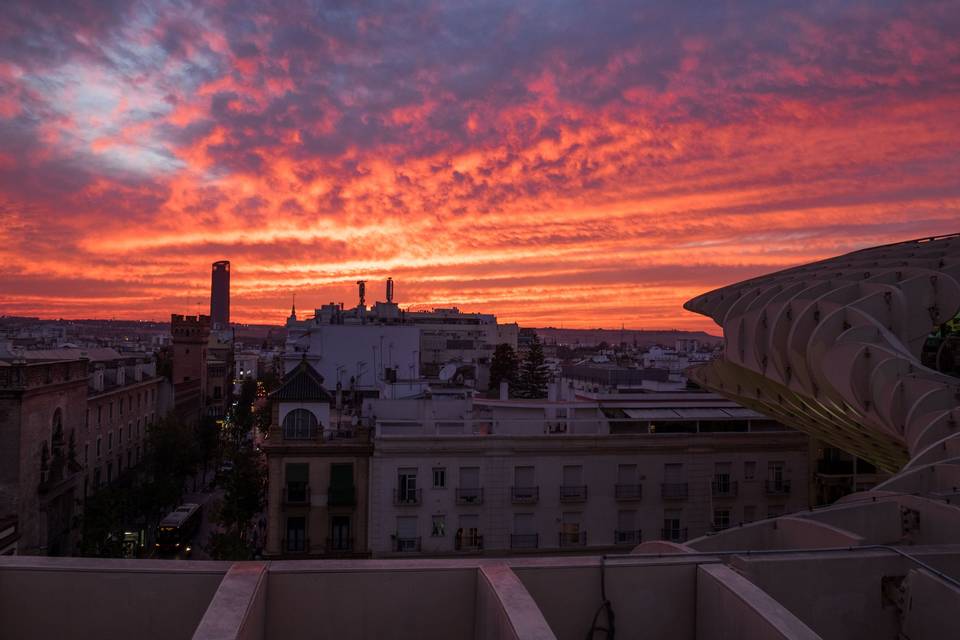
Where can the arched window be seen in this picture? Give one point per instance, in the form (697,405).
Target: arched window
(299,424)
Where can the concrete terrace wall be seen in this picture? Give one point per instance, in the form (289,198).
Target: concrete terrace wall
(74,597)
(370,600)
(789,532)
(654,600)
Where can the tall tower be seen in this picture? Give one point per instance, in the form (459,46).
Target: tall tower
(220,295)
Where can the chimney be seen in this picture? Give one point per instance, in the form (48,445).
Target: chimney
(389,290)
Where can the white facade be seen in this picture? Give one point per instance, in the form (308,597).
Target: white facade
(522,476)
(358,352)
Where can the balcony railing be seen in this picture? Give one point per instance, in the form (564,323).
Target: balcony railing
(296,494)
(339,545)
(524,495)
(568,539)
(628,491)
(724,488)
(524,540)
(777,487)
(674,535)
(628,536)
(406,545)
(468,543)
(470,495)
(573,492)
(345,496)
(301,433)
(295,545)
(409,497)
(674,490)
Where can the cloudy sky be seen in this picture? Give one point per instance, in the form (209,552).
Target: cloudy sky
(583,164)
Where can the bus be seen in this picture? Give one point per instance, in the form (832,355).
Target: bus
(175,532)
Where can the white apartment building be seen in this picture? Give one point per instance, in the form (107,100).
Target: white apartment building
(455,475)
(444,337)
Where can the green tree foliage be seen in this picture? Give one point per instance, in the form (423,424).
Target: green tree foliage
(505,366)
(534,374)
(173,454)
(243,501)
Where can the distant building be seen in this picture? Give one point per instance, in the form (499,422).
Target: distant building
(220,295)
(446,337)
(42,412)
(318,462)
(596,473)
(191,335)
(220,370)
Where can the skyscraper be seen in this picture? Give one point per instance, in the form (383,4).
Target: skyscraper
(220,295)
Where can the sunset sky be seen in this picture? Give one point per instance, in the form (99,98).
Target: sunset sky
(550,162)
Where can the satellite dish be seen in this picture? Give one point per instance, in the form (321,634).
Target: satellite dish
(447,372)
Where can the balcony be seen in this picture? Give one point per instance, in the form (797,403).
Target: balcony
(628,492)
(674,534)
(471,495)
(344,496)
(568,539)
(777,487)
(573,493)
(407,498)
(524,540)
(674,490)
(295,545)
(724,488)
(339,545)
(472,542)
(628,536)
(296,494)
(524,495)
(406,545)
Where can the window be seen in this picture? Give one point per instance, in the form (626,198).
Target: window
(573,488)
(626,474)
(775,472)
(120,407)
(86,453)
(721,519)
(721,479)
(340,539)
(120,436)
(468,533)
(469,490)
(296,534)
(749,470)
(749,513)
(406,538)
(109,472)
(99,414)
(98,449)
(407,485)
(627,531)
(439,528)
(570,533)
(296,476)
(439,477)
(299,424)
(110,441)
(110,412)
(524,534)
(96,477)
(671,525)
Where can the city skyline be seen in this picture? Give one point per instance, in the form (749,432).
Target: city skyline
(551,164)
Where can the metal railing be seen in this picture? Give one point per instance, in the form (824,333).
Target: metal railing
(469,495)
(567,539)
(524,540)
(406,545)
(573,492)
(468,543)
(777,487)
(674,490)
(628,491)
(524,495)
(410,497)
(628,536)
(674,535)
(335,545)
(298,545)
(724,488)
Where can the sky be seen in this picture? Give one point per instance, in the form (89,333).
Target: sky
(555,163)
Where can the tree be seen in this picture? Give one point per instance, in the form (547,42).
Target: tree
(504,367)
(243,501)
(173,452)
(534,374)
